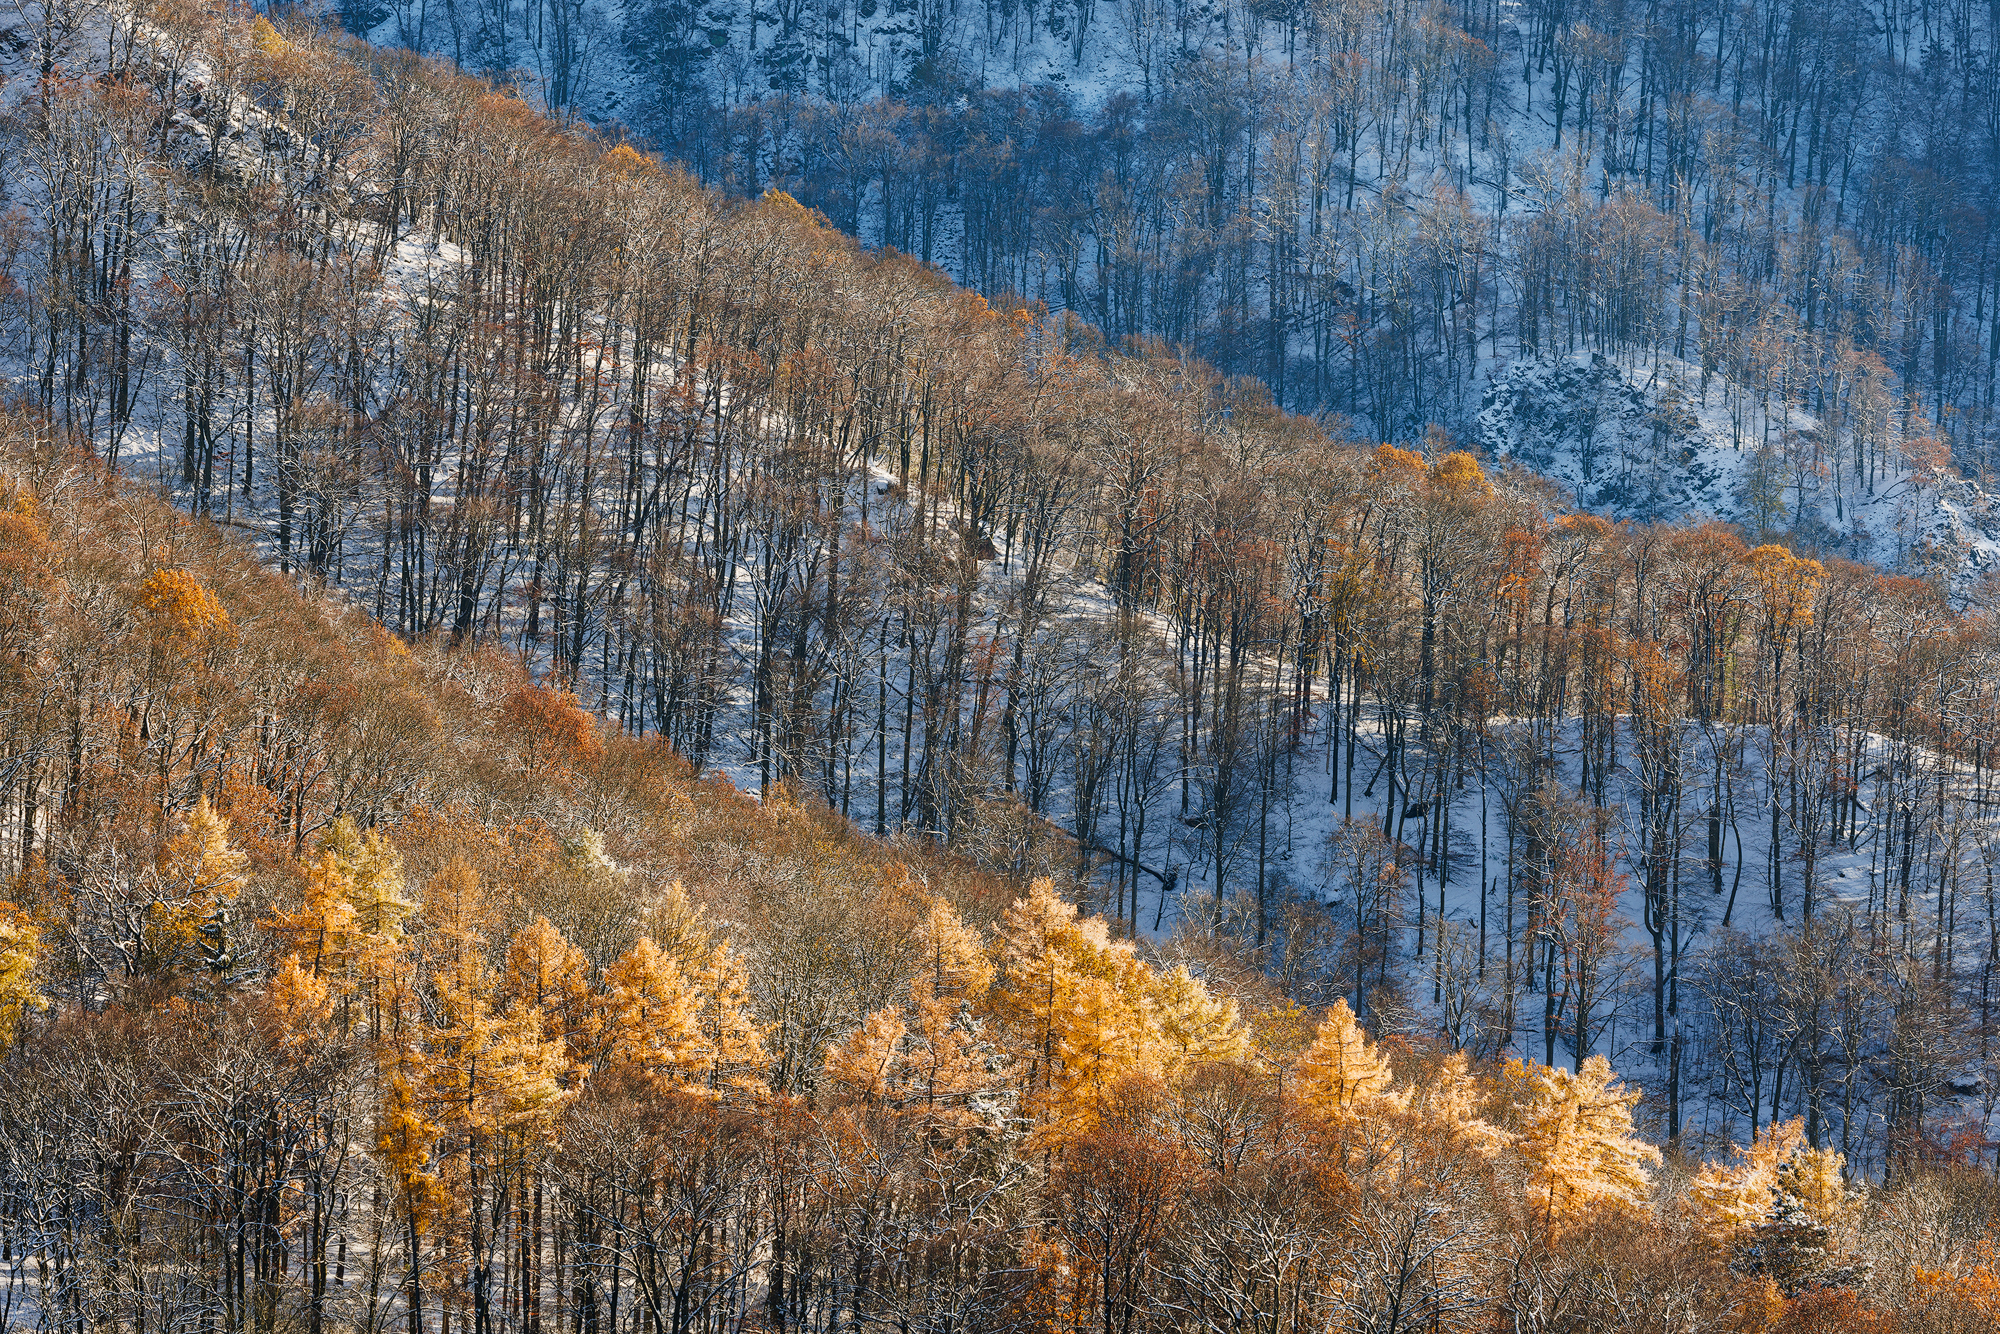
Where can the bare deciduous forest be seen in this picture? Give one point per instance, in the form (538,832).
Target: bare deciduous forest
(1366,203)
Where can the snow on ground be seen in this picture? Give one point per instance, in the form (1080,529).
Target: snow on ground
(1634,438)
(1642,439)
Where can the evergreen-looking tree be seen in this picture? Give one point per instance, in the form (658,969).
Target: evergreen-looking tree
(1799,1242)
(1577,1137)
(1342,1075)
(1726,1199)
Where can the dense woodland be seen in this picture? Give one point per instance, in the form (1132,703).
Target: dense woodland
(352,983)
(380,952)
(1365,202)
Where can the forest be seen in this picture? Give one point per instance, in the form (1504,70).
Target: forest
(1367,203)
(579,747)
(360,983)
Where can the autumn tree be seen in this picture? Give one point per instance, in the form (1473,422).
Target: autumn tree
(1577,1138)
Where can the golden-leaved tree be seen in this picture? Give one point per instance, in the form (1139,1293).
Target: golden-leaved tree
(685,1028)
(199,876)
(184,618)
(1194,1026)
(1782,1210)
(1451,1098)
(929,1056)
(347,929)
(548,979)
(730,1044)
(1075,1007)
(1577,1137)
(20,955)
(1726,1199)
(478,1082)
(649,1011)
(1342,1075)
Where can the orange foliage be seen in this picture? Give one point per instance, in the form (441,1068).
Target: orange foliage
(554,729)
(1832,1311)
(186,618)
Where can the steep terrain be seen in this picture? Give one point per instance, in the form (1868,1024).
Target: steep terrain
(370,985)
(1342,719)
(1642,442)
(1394,213)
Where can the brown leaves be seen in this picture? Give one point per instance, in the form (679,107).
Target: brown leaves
(553,729)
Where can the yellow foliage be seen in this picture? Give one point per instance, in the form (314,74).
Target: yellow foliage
(24,538)
(1281,1031)
(404,1134)
(371,874)
(487,1070)
(266,37)
(1760,1304)
(185,618)
(1815,1180)
(862,1064)
(1341,1074)
(1577,1137)
(1966,1298)
(937,1070)
(1459,474)
(732,1049)
(781,205)
(550,978)
(198,877)
(1074,1004)
(297,1005)
(952,964)
(348,929)
(929,1058)
(458,1070)
(1450,1098)
(625,160)
(20,953)
(458,913)
(1405,464)
(674,921)
(682,1027)
(1727,1199)
(649,1014)
(1786,585)
(1194,1027)
(199,862)
(321,933)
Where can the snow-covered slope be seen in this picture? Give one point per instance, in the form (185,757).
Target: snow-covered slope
(1641,440)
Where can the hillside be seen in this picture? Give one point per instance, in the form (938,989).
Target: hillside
(598,482)
(355,984)
(1639,440)
(816,517)
(1384,209)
